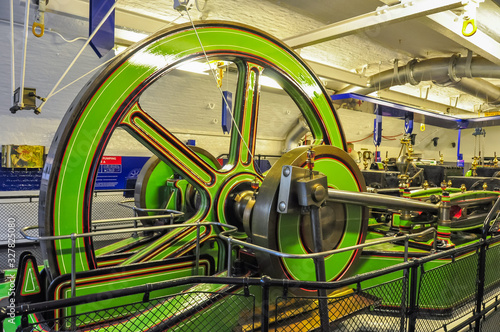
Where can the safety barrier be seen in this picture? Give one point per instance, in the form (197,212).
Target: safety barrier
(459,295)
(417,300)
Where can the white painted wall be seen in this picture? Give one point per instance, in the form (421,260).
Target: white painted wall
(48,57)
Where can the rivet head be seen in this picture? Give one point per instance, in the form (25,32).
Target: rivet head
(282,206)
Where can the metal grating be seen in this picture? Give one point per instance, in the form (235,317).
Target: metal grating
(376,309)
(447,293)
(191,311)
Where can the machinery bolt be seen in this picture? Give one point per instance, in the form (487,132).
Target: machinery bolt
(282,206)
(286,171)
(319,193)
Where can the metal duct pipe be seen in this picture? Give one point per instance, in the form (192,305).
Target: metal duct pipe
(295,134)
(480,89)
(455,72)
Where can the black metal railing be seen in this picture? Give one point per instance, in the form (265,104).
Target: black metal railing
(420,298)
(20,210)
(452,290)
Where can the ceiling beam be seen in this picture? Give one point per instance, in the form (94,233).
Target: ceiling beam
(383,15)
(450,25)
(141,23)
(336,74)
(421,103)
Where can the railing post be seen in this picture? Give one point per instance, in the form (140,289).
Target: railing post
(3,316)
(229,256)
(412,310)
(73,278)
(197,248)
(481,274)
(404,298)
(407,245)
(264,317)
(404,291)
(320,268)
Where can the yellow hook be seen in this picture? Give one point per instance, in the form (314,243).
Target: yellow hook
(38,25)
(466,24)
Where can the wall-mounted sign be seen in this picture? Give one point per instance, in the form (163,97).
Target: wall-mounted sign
(115,171)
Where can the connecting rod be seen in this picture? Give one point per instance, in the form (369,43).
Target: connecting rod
(379,201)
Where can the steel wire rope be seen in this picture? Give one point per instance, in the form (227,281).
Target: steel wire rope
(214,74)
(25,51)
(51,93)
(102,64)
(12,46)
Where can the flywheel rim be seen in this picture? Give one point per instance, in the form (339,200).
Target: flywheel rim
(108,100)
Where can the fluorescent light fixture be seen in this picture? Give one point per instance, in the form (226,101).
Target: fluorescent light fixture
(129,36)
(119,48)
(269,82)
(202,68)
(195,67)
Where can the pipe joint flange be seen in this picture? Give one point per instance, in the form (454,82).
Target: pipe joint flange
(396,72)
(452,73)
(468,64)
(409,72)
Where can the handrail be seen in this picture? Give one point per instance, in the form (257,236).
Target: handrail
(487,221)
(75,236)
(264,282)
(31,196)
(230,239)
(141,289)
(162,216)
(135,208)
(124,230)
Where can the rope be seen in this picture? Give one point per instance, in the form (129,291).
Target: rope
(23,72)
(102,64)
(51,93)
(12,57)
(359,140)
(389,138)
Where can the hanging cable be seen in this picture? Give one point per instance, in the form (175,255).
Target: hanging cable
(214,74)
(66,40)
(362,139)
(23,72)
(51,93)
(12,53)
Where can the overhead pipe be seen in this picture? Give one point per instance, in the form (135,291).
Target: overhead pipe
(457,72)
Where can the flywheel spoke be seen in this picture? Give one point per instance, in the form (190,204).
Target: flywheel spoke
(244,132)
(167,147)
